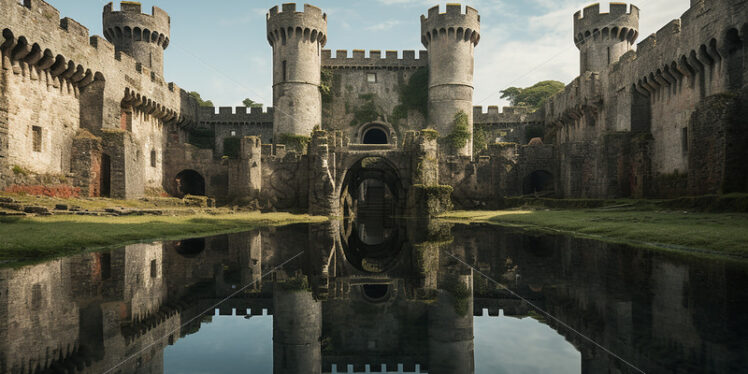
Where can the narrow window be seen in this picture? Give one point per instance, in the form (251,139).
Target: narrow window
(154,269)
(36,297)
(608,55)
(153,158)
(233,132)
(284,70)
(371,77)
(37,138)
(684,140)
(106,266)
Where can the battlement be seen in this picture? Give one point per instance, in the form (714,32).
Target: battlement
(57,41)
(132,25)
(621,23)
(309,10)
(237,114)
(310,24)
(463,26)
(358,59)
(134,8)
(507,115)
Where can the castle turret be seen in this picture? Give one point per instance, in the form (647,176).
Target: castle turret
(602,38)
(297,39)
(450,39)
(142,36)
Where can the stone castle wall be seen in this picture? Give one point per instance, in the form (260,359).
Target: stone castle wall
(649,122)
(654,90)
(63,79)
(366,92)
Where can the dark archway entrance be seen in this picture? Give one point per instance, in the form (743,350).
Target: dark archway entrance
(105,177)
(539,182)
(190,247)
(375,135)
(376,292)
(372,180)
(190,182)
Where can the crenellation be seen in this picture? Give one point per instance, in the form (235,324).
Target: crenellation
(130,7)
(654,89)
(359,59)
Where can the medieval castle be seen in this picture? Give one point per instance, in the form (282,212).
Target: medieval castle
(93,114)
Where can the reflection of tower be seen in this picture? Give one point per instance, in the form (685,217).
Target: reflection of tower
(451,328)
(297,327)
(142,36)
(297,39)
(602,38)
(450,39)
(252,266)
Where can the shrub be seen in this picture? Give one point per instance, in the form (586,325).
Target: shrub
(19,170)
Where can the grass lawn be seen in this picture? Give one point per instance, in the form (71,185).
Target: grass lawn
(717,233)
(36,238)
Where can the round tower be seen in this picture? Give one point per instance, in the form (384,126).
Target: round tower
(602,38)
(142,36)
(297,39)
(450,39)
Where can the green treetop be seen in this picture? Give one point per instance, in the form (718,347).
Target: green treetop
(533,96)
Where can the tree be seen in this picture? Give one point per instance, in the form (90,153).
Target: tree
(200,100)
(249,103)
(533,96)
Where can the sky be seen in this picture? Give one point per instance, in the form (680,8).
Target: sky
(219,48)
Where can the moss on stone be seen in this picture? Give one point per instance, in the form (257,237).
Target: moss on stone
(430,134)
(461,297)
(19,170)
(415,94)
(480,139)
(367,112)
(325,85)
(297,283)
(460,134)
(296,143)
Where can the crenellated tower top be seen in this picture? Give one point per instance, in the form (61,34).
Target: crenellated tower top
(620,23)
(602,38)
(453,22)
(142,36)
(311,24)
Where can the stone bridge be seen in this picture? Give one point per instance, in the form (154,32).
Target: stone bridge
(337,171)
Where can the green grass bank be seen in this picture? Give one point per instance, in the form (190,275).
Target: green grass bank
(677,230)
(28,239)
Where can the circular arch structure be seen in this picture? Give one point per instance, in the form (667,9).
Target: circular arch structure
(189,182)
(376,133)
(374,168)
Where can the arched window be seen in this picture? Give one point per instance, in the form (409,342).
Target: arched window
(375,135)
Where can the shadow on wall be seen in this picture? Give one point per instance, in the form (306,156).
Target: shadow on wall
(538,182)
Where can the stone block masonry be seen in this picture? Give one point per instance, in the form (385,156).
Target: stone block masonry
(661,120)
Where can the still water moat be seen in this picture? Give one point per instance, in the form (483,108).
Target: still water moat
(373,296)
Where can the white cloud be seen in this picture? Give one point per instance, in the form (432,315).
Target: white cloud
(381,26)
(504,58)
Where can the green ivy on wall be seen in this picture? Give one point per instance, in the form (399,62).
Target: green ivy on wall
(293,142)
(461,132)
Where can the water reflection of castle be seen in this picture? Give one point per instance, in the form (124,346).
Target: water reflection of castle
(336,304)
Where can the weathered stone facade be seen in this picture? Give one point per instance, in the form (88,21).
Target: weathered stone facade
(661,120)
